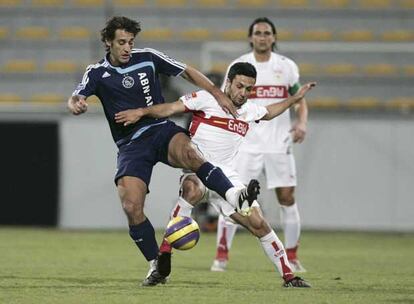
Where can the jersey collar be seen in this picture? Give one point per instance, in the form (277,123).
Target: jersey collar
(128,67)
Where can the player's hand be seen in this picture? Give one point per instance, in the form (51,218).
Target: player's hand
(298,132)
(305,89)
(77,105)
(129,117)
(227,105)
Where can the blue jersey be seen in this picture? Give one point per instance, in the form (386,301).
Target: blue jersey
(129,86)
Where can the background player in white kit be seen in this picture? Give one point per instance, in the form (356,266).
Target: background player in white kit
(218,135)
(267,147)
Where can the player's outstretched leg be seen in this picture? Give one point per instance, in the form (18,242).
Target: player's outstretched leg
(227,228)
(192,192)
(290,220)
(271,244)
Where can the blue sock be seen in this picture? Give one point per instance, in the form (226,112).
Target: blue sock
(144,236)
(214,179)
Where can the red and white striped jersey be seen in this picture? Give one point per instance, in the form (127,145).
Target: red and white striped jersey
(275,80)
(217,134)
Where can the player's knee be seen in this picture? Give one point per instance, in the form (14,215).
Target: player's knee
(192,191)
(131,207)
(260,227)
(287,201)
(264,230)
(286,197)
(192,157)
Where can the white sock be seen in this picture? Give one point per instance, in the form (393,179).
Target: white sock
(232,195)
(275,251)
(290,219)
(227,227)
(181,208)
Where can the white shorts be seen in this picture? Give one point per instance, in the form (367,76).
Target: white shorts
(278,168)
(220,204)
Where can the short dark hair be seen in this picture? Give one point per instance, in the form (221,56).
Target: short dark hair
(262,20)
(119,23)
(242,68)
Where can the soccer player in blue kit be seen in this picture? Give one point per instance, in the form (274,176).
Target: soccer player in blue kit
(127,78)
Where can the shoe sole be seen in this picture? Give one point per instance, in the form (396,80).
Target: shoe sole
(152,285)
(297,282)
(254,189)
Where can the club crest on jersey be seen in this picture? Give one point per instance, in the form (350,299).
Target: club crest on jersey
(190,96)
(128,82)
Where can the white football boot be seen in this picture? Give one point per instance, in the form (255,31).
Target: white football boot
(219,265)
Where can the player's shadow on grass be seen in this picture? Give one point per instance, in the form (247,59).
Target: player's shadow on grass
(78,280)
(192,284)
(190,268)
(34,282)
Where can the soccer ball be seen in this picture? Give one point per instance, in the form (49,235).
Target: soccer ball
(182,233)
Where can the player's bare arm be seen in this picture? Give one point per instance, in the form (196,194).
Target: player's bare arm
(77,104)
(276,109)
(197,78)
(157,111)
(299,126)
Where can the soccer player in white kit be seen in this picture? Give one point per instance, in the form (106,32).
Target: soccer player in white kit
(217,135)
(267,147)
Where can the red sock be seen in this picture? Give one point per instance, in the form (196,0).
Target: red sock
(222,250)
(165,247)
(291,253)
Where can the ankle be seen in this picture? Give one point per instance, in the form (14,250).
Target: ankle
(292,253)
(165,247)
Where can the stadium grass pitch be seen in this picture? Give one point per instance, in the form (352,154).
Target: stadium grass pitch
(52,266)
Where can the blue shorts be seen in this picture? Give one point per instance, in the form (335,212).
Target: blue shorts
(139,156)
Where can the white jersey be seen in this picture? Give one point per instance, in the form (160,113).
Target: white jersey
(217,134)
(274,80)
